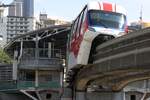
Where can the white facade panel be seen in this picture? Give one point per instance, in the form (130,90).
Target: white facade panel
(19,25)
(3,31)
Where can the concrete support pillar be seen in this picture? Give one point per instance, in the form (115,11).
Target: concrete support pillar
(15,64)
(67,94)
(61,79)
(49,49)
(119,95)
(16,60)
(37,47)
(80,96)
(36,78)
(15,68)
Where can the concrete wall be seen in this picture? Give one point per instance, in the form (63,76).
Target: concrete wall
(99,96)
(13,96)
(137,95)
(50,96)
(67,94)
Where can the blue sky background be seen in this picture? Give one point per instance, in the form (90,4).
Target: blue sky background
(69,9)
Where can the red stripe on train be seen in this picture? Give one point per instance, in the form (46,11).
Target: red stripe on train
(107,7)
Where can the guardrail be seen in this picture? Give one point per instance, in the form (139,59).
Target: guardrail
(31,84)
(42,58)
(12,85)
(41,53)
(7,85)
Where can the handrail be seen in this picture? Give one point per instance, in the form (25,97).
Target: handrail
(42,52)
(28,84)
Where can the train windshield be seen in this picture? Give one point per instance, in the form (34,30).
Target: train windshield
(106,19)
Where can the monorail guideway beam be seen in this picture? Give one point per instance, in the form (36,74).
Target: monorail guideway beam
(112,80)
(117,62)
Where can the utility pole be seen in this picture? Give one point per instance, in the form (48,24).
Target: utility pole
(141,17)
(141,13)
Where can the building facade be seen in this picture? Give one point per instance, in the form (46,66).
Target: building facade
(20,18)
(22,8)
(28,8)
(3,29)
(17,9)
(3,26)
(46,22)
(37,64)
(19,25)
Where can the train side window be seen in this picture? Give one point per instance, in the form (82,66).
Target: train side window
(79,24)
(72,27)
(75,29)
(83,21)
(85,14)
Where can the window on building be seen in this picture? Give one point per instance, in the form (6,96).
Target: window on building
(48,96)
(25,19)
(79,24)
(1,20)
(48,78)
(30,76)
(11,35)
(133,97)
(25,27)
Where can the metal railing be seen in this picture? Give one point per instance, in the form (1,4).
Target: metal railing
(7,85)
(41,53)
(12,85)
(5,72)
(44,58)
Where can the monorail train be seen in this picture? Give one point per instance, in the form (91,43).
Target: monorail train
(97,22)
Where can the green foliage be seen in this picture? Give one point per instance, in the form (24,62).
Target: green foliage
(4,58)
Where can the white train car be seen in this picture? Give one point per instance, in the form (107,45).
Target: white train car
(97,22)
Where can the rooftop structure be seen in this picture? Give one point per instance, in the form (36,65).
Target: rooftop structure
(46,22)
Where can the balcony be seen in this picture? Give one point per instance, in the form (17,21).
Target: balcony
(41,59)
(12,85)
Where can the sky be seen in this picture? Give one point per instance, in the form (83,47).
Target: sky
(69,9)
